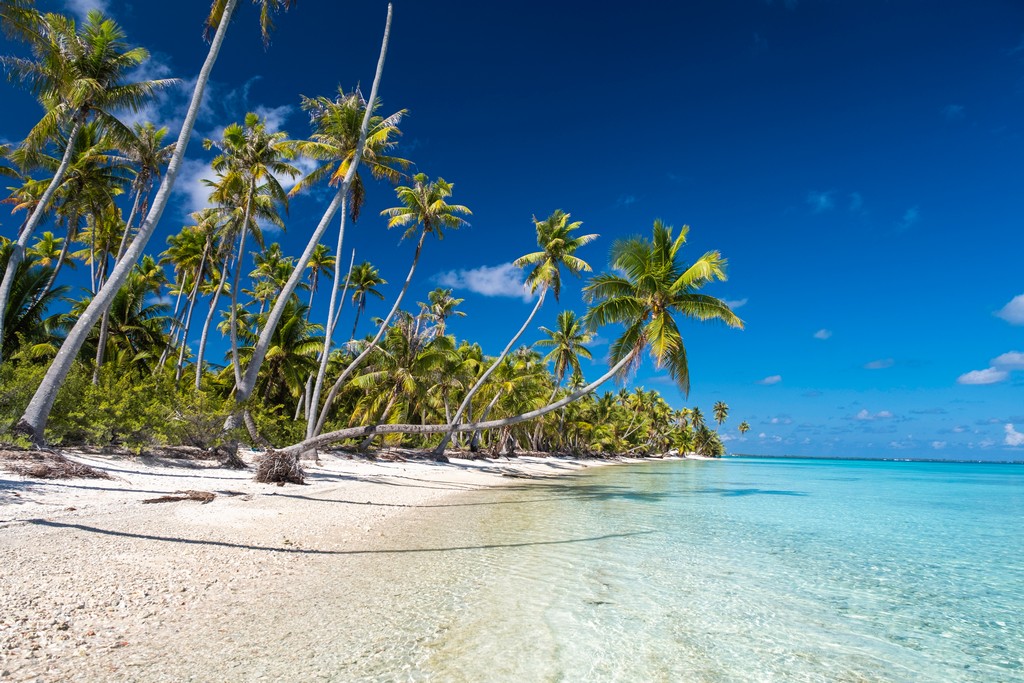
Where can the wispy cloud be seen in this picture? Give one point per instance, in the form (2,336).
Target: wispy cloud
(938,445)
(1019,47)
(820,201)
(625,200)
(823,334)
(770,380)
(953,112)
(986,376)
(856,202)
(1013,437)
(275,117)
(760,43)
(866,415)
(736,303)
(911,217)
(501,280)
(880,364)
(83,7)
(190,184)
(1013,312)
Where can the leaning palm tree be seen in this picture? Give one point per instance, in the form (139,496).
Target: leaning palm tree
(558,246)
(442,305)
(320,263)
(244,389)
(79,74)
(33,420)
(424,208)
(650,288)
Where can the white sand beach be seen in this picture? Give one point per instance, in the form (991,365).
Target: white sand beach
(95,584)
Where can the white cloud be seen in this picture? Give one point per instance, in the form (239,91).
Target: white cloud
(82,7)
(771,379)
(1013,437)
(938,445)
(168,106)
(866,415)
(1013,312)
(880,364)
(986,376)
(190,184)
(820,201)
(734,304)
(823,334)
(1011,360)
(911,217)
(503,280)
(275,117)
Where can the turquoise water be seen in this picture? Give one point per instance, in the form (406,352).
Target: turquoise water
(737,570)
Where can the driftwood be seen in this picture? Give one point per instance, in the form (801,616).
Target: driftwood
(203,497)
(277,467)
(47,465)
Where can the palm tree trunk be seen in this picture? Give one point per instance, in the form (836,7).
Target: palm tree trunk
(193,295)
(537,432)
(474,443)
(383,416)
(18,251)
(373,344)
(233,332)
(209,319)
(244,388)
(483,378)
(322,440)
(33,421)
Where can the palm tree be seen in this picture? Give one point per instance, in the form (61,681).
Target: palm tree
(78,74)
(721,411)
(744,427)
(28,328)
(251,159)
(558,247)
(442,305)
(364,279)
(320,263)
(567,344)
(424,208)
(33,420)
(245,388)
(654,287)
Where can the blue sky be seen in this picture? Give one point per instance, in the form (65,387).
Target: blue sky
(858,163)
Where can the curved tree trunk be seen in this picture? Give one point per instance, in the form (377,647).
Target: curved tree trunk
(18,251)
(33,421)
(209,321)
(244,388)
(233,331)
(373,344)
(351,432)
(483,378)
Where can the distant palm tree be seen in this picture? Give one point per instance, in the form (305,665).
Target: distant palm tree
(364,279)
(320,263)
(744,427)
(442,305)
(721,411)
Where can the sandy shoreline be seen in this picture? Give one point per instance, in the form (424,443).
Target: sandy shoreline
(97,585)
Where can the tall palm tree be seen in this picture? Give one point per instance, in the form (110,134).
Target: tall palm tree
(33,420)
(251,159)
(557,248)
(79,74)
(744,427)
(245,388)
(364,280)
(567,346)
(424,208)
(721,411)
(654,286)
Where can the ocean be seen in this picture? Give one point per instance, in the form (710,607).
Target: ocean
(743,569)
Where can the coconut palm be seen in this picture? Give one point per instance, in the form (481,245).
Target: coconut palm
(78,74)
(364,280)
(424,208)
(558,246)
(33,420)
(721,411)
(250,161)
(442,305)
(567,342)
(320,263)
(744,427)
(28,330)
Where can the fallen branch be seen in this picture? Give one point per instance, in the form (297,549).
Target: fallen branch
(203,497)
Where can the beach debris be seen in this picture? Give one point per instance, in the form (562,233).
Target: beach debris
(203,497)
(276,467)
(47,465)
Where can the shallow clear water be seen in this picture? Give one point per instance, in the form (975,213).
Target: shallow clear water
(737,570)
